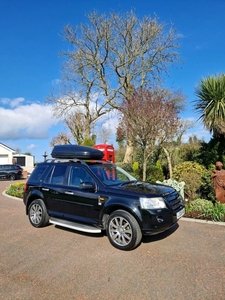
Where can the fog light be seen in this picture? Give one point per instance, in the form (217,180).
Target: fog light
(160,219)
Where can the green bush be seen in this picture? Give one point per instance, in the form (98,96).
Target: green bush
(206,189)
(192,174)
(206,209)
(154,173)
(16,189)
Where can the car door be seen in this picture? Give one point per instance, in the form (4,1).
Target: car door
(53,190)
(81,204)
(64,196)
(3,171)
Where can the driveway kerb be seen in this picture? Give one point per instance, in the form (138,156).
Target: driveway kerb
(182,219)
(202,221)
(9,196)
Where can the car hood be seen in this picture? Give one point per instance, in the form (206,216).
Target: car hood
(145,188)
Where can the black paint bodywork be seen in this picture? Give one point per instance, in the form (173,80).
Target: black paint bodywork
(92,202)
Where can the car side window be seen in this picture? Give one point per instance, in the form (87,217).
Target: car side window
(79,175)
(58,174)
(37,173)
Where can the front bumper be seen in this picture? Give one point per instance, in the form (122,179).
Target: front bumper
(155,222)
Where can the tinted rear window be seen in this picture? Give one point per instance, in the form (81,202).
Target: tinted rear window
(38,172)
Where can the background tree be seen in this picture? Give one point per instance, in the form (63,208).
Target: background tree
(189,150)
(104,133)
(173,142)
(28,153)
(150,118)
(18,150)
(211,103)
(61,139)
(77,123)
(109,58)
(208,153)
(211,107)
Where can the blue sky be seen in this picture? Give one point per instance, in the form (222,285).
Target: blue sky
(31,39)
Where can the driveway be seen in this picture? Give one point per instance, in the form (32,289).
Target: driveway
(187,262)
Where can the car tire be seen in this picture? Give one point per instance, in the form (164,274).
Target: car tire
(12,176)
(123,230)
(37,213)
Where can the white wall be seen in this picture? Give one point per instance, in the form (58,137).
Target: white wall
(6,155)
(4,159)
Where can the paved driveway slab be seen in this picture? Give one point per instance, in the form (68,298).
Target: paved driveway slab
(187,262)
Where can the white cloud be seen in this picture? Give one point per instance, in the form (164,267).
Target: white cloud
(12,102)
(5,101)
(32,146)
(16,102)
(26,121)
(56,82)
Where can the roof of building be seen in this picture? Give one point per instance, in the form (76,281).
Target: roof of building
(6,147)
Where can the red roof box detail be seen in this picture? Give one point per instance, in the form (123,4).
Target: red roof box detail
(108,150)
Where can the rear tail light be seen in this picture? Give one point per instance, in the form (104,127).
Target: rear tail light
(25,187)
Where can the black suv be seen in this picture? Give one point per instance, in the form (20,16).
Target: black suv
(77,190)
(11,171)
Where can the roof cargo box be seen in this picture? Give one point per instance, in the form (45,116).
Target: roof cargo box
(76,151)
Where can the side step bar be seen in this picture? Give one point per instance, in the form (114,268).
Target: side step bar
(74,225)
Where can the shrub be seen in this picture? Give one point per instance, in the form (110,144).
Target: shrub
(206,189)
(191,173)
(16,189)
(154,173)
(206,209)
(135,166)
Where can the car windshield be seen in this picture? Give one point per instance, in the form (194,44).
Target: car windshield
(111,174)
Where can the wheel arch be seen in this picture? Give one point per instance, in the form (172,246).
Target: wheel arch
(113,207)
(33,196)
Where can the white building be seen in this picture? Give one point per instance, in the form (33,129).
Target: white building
(9,156)
(6,154)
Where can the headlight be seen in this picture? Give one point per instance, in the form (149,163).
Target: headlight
(152,203)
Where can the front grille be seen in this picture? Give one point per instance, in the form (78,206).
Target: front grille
(174,201)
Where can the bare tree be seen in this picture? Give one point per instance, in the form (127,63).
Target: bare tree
(61,139)
(110,57)
(173,142)
(104,133)
(17,151)
(76,123)
(150,118)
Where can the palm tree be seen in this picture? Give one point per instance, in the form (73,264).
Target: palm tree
(211,103)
